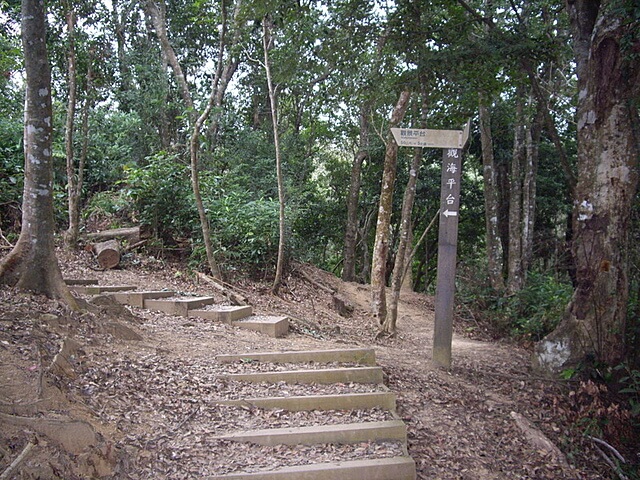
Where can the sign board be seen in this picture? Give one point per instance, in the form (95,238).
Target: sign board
(423,137)
(447,254)
(452,141)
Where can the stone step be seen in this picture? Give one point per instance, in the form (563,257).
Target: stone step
(223,313)
(391,430)
(323,376)
(394,468)
(362,356)
(137,299)
(179,306)
(351,401)
(80,281)
(272,326)
(100,289)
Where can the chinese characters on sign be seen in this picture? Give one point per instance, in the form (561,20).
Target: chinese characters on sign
(447,252)
(423,137)
(452,142)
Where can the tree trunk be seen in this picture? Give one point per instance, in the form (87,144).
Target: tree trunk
(351,229)
(381,245)
(404,244)
(32,264)
(491,198)
(515,275)
(399,266)
(608,123)
(365,271)
(529,187)
(73,195)
(267,26)
(158,19)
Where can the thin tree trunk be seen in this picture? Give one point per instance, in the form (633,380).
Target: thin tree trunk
(118,20)
(351,229)
(515,276)
(365,271)
(608,125)
(267,26)
(84,151)
(158,19)
(399,267)
(32,264)
(529,188)
(381,245)
(491,199)
(401,261)
(73,194)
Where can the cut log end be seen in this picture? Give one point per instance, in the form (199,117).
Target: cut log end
(107,253)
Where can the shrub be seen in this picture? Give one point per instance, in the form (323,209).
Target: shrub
(162,196)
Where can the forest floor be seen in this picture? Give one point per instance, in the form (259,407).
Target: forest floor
(116,392)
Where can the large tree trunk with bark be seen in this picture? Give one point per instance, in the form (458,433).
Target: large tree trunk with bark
(32,264)
(381,245)
(594,323)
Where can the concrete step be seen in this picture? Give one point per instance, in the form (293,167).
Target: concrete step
(100,289)
(394,468)
(361,356)
(179,306)
(137,299)
(392,430)
(223,313)
(351,401)
(272,326)
(80,281)
(323,376)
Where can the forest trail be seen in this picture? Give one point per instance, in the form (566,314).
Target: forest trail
(150,397)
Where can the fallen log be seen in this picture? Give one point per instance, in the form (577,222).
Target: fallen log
(319,286)
(234,297)
(107,253)
(130,234)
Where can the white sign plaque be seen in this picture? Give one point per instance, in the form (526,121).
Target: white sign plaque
(425,137)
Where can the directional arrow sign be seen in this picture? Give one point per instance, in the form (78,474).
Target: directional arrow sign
(448,214)
(424,137)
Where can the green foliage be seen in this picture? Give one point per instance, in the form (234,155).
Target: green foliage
(246,230)
(630,383)
(161,194)
(537,309)
(528,315)
(11,160)
(112,207)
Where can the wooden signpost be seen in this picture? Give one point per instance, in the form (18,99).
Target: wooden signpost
(452,142)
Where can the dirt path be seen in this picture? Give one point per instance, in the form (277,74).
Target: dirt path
(148,398)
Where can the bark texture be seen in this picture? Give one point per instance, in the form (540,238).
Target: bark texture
(491,198)
(73,192)
(381,245)
(593,327)
(351,229)
(32,264)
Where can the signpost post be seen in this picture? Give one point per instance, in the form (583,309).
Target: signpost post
(452,142)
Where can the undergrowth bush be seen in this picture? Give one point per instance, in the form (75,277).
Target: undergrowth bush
(528,315)
(162,196)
